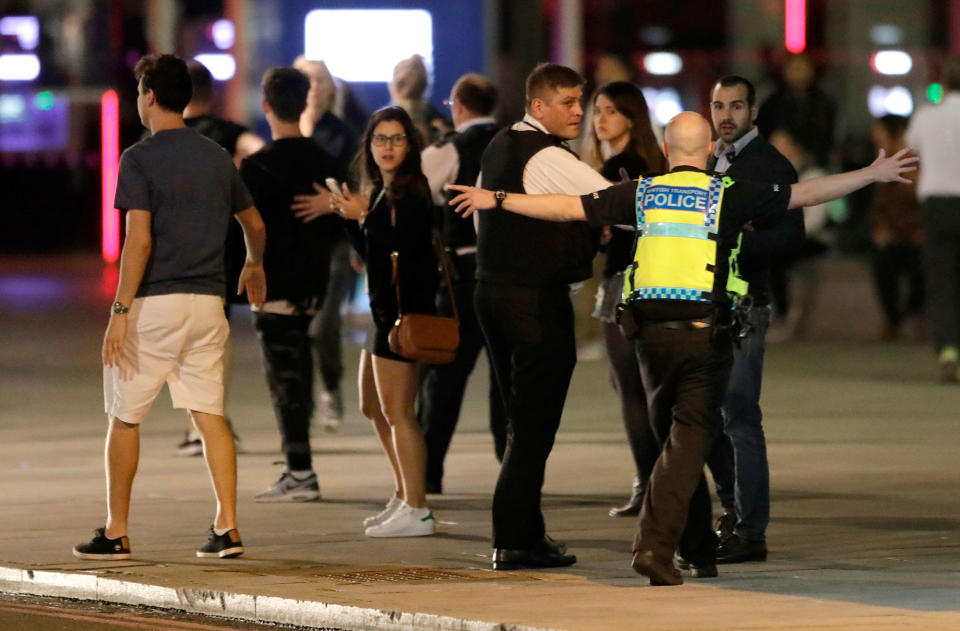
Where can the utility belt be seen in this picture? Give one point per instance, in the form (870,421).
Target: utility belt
(734,323)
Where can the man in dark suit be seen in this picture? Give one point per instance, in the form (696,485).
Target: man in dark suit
(739,460)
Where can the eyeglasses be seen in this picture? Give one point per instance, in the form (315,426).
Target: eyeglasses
(379,140)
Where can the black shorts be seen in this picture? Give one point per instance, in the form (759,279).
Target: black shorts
(378,344)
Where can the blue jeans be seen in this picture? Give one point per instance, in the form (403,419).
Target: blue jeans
(738,462)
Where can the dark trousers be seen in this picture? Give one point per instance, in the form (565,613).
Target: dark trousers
(440,395)
(892,265)
(738,461)
(288,363)
(325,327)
(685,373)
(941,261)
(530,336)
(627,382)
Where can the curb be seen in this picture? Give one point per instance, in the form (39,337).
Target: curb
(269,609)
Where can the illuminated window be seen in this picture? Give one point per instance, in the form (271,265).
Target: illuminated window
(663,63)
(365,44)
(891,62)
(19,67)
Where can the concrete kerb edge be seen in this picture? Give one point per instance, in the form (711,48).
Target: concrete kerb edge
(238,606)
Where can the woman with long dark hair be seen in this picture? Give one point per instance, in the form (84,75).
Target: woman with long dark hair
(621,135)
(392,213)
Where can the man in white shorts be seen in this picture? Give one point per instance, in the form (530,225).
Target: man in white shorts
(167,324)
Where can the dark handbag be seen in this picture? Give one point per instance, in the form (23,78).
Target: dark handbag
(421,337)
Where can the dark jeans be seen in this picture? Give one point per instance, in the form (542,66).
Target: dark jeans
(892,265)
(685,374)
(738,461)
(442,385)
(626,381)
(529,333)
(941,261)
(288,362)
(325,327)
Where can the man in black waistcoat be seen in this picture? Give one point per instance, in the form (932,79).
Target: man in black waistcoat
(456,160)
(524,271)
(739,459)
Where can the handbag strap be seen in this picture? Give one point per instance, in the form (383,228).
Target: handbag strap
(395,273)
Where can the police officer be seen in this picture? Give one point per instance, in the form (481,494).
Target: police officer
(679,296)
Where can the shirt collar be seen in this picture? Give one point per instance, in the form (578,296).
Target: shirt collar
(480,120)
(685,167)
(530,120)
(738,145)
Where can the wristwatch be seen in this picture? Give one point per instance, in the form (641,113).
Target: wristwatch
(500,196)
(119,309)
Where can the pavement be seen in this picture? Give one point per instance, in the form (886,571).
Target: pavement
(863,446)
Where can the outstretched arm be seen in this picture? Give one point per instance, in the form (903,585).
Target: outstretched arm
(548,207)
(823,189)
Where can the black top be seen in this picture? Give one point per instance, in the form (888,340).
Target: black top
(336,139)
(223,132)
(297,255)
(743,201)
(519,250)
(759,161)
(619,249)
(470,144)
(411,235)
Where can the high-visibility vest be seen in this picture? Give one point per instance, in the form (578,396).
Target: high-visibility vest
(678,218)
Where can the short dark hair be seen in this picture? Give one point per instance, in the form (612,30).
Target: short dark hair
(732,81)
(549,76)
(894,125)
(201,80)
(476,92)
(169,79)
(285,90)
(951,74)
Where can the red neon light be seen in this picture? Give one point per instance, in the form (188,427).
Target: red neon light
(109,159)
(795,26)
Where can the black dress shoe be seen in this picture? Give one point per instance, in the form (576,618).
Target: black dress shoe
(543,555)
(736,549)
(725,525)
(695,570)
(633,505)
(659,572)
(557,546)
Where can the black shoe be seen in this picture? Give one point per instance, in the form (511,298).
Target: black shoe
(695,570)
(659,572)
(434,488)
(100,547)
(725,526)
(225,546)
(736,549)
(632,507)
(557,546)
(543,555)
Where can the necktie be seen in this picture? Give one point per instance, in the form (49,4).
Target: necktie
(731,155)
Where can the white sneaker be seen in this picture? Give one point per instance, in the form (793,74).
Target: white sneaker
(384,515)
(330,408)
(289,489)
(406,521)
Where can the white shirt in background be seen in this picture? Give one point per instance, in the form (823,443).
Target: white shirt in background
(934,134)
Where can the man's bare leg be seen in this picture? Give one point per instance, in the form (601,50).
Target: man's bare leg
(121,456)
(218,450)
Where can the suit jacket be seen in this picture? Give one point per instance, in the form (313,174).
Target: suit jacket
(760,162)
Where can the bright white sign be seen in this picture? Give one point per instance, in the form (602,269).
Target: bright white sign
(221,65)
(365,44)
(19,67)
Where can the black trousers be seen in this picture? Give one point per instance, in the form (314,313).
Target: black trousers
(893,264)
(440,395)
(941,262)
(685,374)
(288,363)
(530,336)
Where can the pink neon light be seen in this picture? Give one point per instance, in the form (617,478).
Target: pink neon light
(795,27)
(109,159)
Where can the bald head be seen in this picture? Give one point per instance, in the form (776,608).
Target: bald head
(687,140)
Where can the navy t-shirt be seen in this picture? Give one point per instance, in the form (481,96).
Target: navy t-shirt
(191,188)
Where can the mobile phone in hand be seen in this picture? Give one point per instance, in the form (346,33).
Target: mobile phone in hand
(333,186)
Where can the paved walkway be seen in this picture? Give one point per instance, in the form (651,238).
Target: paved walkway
(866,511)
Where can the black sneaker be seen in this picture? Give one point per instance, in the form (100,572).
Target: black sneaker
(225,546)
(191,445)
(725,526)
(736,549)
(100,547)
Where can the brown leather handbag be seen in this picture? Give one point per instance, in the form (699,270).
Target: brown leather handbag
(425,338)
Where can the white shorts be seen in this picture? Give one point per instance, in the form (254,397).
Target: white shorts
(177,339)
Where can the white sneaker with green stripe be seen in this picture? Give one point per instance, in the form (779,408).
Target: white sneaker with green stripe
(406,521)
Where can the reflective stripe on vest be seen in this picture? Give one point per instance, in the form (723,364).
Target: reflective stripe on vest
(678,215)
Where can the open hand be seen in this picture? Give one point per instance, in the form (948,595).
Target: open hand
(350,206)
(471,199)
(309,207)
(254,282)
(892,169)
(113,339)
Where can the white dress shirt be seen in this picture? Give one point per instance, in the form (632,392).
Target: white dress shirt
(441,164)
(934,134)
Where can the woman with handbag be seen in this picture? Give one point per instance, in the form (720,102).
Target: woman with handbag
(391,229)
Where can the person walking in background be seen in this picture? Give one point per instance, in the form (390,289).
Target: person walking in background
(239,143)
(621,136)
(738,461)
(456,160)
(394,213)
(297,264)
(167,324)
(897,236)
(408,90)
(934,134)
